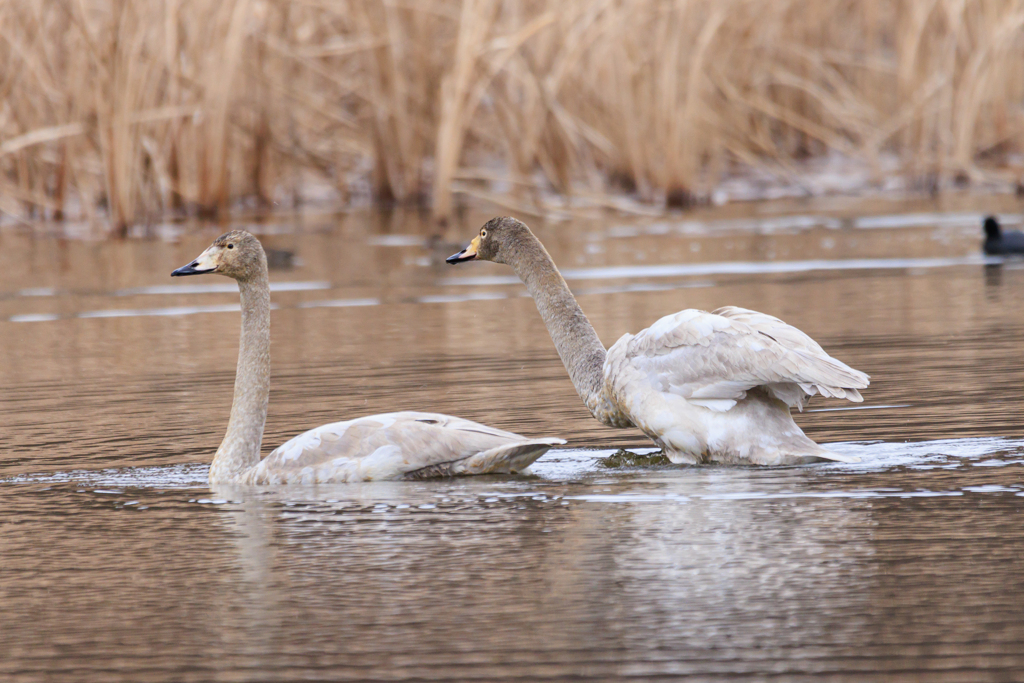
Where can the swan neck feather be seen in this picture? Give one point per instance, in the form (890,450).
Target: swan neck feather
(240,448)
(578,345)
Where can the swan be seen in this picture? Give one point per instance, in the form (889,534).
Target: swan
(405,445)
(706,387)
(997,242)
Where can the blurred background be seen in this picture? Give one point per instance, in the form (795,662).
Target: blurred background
(129,112)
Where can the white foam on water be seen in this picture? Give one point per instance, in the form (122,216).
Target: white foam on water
(704,228)
(641,287)
(606,273)
(205,288)
(846,408)
(221,288)
(395,241)
(184,310)
(191,288)
(456,298)
(483,280)
(763,267)
(805,222)
(735,268)
(172,310)
(34,318)
(911,220)
(583,469)
(875,457)
(110,481)
(925,455)
(340,303)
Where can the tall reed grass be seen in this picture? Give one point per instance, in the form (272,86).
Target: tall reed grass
(126,111)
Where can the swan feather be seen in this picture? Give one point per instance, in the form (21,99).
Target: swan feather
(720,356)
(388,446)
(704,386)
(395,446)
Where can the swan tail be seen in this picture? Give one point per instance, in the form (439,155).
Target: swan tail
(506,459)
(852,395)
(837,457)
(803,447)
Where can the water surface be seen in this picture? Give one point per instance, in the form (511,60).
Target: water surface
(119,563)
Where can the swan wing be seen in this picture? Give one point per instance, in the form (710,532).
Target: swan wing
(397,446)
(713,359)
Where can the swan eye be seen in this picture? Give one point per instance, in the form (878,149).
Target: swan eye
(231,246)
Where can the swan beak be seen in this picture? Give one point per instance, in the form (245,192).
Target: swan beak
(467,254)
(203,264)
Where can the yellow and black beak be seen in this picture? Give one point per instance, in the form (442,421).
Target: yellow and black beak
(203,264)
(467,254)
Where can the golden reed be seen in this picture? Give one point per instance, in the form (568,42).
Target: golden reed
(125,111)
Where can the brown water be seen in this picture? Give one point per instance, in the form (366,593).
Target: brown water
(119,563)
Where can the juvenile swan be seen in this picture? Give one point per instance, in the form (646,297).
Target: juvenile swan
(705,386)
(391,446)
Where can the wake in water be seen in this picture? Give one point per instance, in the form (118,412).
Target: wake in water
(599,467)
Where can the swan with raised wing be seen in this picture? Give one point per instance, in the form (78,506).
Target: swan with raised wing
(405,445)
(706,387)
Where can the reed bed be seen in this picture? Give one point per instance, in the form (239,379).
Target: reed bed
(131,111)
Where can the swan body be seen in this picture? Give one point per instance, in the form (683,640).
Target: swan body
(720,386)
(405,445)
(706,387)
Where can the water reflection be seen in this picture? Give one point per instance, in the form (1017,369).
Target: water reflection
(539,579)
(993,275)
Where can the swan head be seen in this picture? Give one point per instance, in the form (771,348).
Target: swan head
(991,228)
(236,254)
(496,242)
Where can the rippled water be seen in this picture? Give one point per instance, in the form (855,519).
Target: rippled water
(119,563)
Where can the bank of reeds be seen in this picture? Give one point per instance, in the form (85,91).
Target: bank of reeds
(127,111)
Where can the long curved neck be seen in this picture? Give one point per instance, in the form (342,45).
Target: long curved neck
(578,345)
(240,448)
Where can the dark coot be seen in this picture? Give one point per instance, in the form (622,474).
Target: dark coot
(999,241)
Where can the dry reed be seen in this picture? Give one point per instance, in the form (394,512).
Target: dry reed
(127,111)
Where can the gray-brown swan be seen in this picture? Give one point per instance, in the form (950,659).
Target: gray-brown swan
(406,445)
(704,386)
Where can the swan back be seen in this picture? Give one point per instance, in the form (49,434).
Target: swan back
(713,359)
(397,445)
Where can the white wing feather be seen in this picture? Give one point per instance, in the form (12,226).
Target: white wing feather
(713,359)
(394,446)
